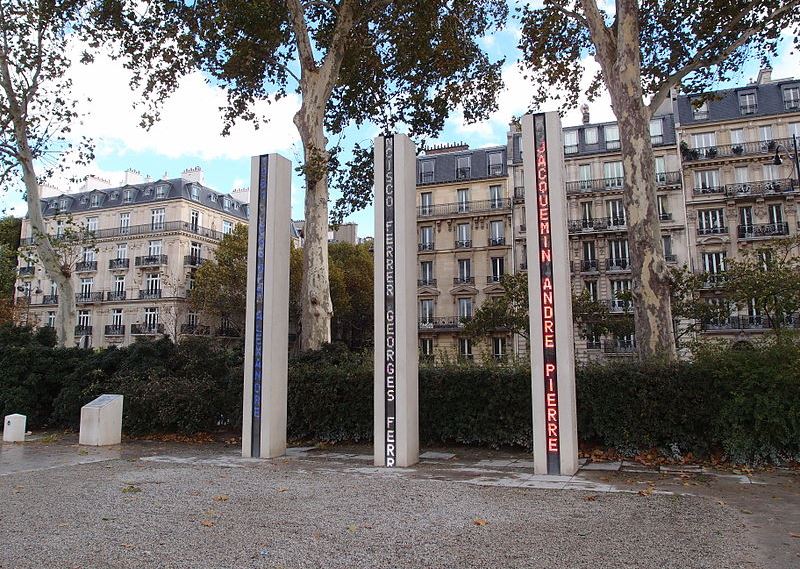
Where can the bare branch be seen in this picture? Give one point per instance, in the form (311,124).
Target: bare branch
(304,49)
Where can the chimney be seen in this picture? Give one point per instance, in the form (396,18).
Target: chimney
(241,194)
(585,113)
(133,177)
(764,75)
(194,175)
(445,148)
(93,182)
(48,190)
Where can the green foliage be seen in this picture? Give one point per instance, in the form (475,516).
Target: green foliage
(596,318)
(221,283)
(508,311)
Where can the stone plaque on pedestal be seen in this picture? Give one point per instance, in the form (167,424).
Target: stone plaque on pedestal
(101,421)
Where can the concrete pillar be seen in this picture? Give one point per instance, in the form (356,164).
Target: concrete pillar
(267,324)
(555,437)
(396,353)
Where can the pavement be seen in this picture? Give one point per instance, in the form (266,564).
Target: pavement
(169,504)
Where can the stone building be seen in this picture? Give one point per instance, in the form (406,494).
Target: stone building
(133,277)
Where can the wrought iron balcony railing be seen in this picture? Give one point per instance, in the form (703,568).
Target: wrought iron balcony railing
(496,241)
(115,330)
(425,246)
(119,263)
(151,261)
(86,297)
(663,179)
(493,279)
(463,243)
(759,322)
(463,280)
(586,265)
(147,329)
(27,271)
(85,266)
(50,299)
(440,323)
(195,329)
(462,208)
(714,230)
(731,150)
(116,295)
(618,264)
(761,230)
(150,294)
(714,280)
(83,330)
(228,332)
(597,224)
(619,347)
(426,282)
(193,261)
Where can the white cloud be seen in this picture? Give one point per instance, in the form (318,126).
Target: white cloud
(191,120)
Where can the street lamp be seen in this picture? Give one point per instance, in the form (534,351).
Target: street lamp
(796,158)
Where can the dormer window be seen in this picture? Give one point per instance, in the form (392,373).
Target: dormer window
(700,112)
(95,200)
(114,195)
(161,192)
(83,200)
(53,205)
(226,204)
(463,167)
(426,171)
(791,98)
(212,197)
(495,163)
(612,137)
(748,104)
(62,204)
(127,196)
(570,141)
(195,193)
(656,131)
(148,191)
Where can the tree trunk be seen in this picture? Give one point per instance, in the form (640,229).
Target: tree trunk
(315,297)
(620,62)
(61,275)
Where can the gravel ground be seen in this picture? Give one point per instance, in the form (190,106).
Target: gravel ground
(129,513)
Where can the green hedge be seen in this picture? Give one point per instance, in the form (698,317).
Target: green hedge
(744,402)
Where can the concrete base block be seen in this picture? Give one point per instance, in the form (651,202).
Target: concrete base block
(14,428)
(101,421)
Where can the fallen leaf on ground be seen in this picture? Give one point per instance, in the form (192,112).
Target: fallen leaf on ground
(746,512)
(127,545)
(591,498)
(646,492)
(221,498)
(131,489)
(282,489)
(479,522)
(797,535)
(207,523)
(352,528)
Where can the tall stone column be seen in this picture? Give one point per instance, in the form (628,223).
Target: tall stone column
(396,353)
(555,437)
(266,345)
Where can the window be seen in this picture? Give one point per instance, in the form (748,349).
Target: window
(190,281)
(663,208)
(498,347)
(775,214)
(463,235)
(570,141)
(194,218)
(498,268)
(706,179)
(661,170)
(122,251)
(791,98)
(591,288)
(426,347)
(463,200)
(587,214)
(154,247)
(704,139)
(213,198)
(619,292)
(426,237)
(771,172)
(748,104)
(737,136)
(192,319)
(465,348)
(426,272)
(127,196)
(464,270)
(157,219)
(124,223)
(88,255)
(226,203)
(59,228)
(194,193)
(666,243)
(741,174)
(194,250)
(464,308)
(656,131)
(616,212)
(84,318)
(426,203)
(714,263)
(495,163)
(463,167)
(495,197)
(589,252)
(426,171)
(153,282)
(613,173)
(62,205)
(700,111)
(51,319)
(91,224)
(765,133)
(612,137)
(86,286)
(794,129)
(590,135)
(95,200)
(497,233)
(426,310)
(585,176)
(711,221)
(151,318)
(227,227)
(116,317)
(119,284)
(53,288)
(618,254)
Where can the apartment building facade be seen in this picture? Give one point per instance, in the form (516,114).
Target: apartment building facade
(135,267)
(736,195)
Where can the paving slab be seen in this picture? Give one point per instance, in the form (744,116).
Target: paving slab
(603,466)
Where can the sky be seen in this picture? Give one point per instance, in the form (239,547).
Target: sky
(189,132)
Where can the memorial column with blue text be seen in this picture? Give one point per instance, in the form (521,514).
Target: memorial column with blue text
(396,354)
(266,351)
(555,437)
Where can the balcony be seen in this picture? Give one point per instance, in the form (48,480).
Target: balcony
(50,299)
(495,170)
(151,261)
(618,264)
(712,230)
(193,261)
(670,258)
(116,295)
(519,193)
(463,173)
(147,329)
(463,208)
(665,216)
(88,297)
(586,265)
(463,243)
(440,323)
(491,279)
(425,246)
(27,271)
(496,241)
(195,329)
(463,280)
(83,330)
(115,330)
(619,347)
(748,109)
(150,294)
(228,332)
(426,177)
(791,105)
(763,230)
(761,188)
(613,145)
(426,282)
(731,150)
(119,264)
(714,280)
(597,224)
(85,266)
(750,323)
(523,266)
(619,306)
